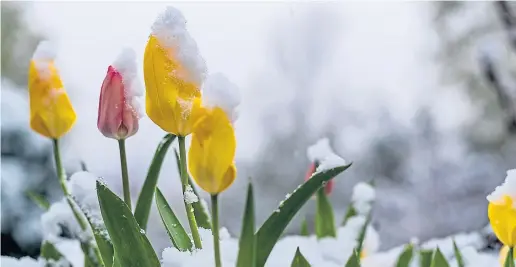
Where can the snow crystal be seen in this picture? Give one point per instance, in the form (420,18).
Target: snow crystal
(508,188)
(190,196)
(218,91)
(170,29)
(83,189)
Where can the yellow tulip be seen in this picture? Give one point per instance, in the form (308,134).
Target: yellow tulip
(51,112)
(170,93)
(502,216)
(503,255)
(212,150)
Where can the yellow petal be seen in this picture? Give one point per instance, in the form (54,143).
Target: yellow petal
(169,96)
(502,217)
(51,112)
(212,152)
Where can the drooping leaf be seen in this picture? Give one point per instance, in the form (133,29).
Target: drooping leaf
(405,256)
(438,259)
(175,230)
(324,219)
(458,255)
(39,200)
(201,214)
(273,227)
(304,228)
(299,260)
(131,246)
(247,242)
(354,260)
(143,205)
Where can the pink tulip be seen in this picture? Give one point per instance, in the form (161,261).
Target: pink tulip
(118,112)
(328,188)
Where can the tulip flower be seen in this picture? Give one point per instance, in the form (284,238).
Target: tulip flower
(51,112)
(119,109)
(502,211)
(174,72)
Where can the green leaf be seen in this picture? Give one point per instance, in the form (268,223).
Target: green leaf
(304,228)
(405,256)
(324,219)
(362,234)
(201,214)
(39,200)
(349,213)
(247,243)
(175,230)
(143,205)
(131,246)
(299,260)
(101,237)
(438,259)
(426,257)
(273,227)
(49,252)
(354,260)
(458,255)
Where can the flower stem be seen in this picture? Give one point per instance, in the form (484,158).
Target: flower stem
(125,175)
(184,182)
(509,260)
(215,228)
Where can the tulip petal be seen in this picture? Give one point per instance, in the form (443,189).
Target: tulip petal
(503,220)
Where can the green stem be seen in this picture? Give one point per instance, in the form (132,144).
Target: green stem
(215,228)
(125,175)
(188,206)
(510,257)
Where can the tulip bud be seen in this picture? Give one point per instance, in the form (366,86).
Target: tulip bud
(119,110)
(328,188)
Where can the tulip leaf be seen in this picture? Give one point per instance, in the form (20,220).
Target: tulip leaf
(354,260)
(273,227)
(349,213)
(299,260)
(143,205)
(438,259)
(458,255)
(39,200)
(131,246)
(247,243)
(405,256)
(202,216)
(324,219)
(425,257)
(50,252)
(175,230)
(101,237)
(304,228)
(363,232)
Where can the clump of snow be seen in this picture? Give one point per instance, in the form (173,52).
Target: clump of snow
(43,55)
(190,196)
(6,261)
(83,189)
(362,197)
(170,29)
(218,91)
(507,188)
(58,220)
(322,152)
(126,65)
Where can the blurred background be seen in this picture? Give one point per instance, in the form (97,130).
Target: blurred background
(419,96)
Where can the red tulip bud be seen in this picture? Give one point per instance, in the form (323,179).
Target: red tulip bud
(328,188)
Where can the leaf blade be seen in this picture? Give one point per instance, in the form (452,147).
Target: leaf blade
(354,260)
(458,255)
(175,230)
(438,259)
(247,243)
(405,256)
(299,260)
(144,202)
(131,246)
(271,229)
(39,200)
(324,219)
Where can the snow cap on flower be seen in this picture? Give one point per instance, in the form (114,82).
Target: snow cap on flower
(170,29)
(507,188)
(119,109)
(218,91)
